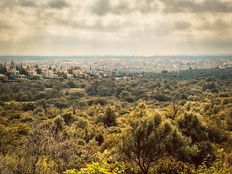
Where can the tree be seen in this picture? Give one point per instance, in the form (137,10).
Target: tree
(191,126)
(149,139)
(33,147)
(109,118)
(66,153)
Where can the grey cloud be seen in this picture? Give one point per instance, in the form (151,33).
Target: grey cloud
(217,6)
(181,25)
(14,3)
(165,29)
(146,6)
(216,25)
(97,25)
(58,4)
(103,7)
(26,3)
(121,8)
(214,6)
(178,5)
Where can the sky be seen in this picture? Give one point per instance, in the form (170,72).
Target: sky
(115,27)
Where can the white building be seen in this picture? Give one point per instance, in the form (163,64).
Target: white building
(48,74)
(69,76)
(32,72)
(22,76)
(15,73)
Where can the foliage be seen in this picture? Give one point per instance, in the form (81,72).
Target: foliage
(157,123)
(108,118)
(172,166)
(220,166)
(149,139)
(104,164)
(191,126)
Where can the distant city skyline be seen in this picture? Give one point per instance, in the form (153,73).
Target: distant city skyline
(122,27)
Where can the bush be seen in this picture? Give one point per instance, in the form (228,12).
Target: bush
(99,138)
(172,166)
(161,98)
(216,135)
(71,84)
(126,96)
(82,103)
(229,119)
(58,124)
(28,106)
(41,95)
(68,118)
(4,97)
(22,97)
(220,166)
(81,123)
(209,86)
(226,101)
(193,127)
(38,110)
(109,118)
(205,154)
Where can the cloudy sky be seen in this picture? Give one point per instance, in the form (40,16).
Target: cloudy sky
(115,27)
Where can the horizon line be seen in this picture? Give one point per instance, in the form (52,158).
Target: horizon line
(114,55)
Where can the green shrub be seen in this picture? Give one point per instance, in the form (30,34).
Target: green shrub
(193,127)
(172,166)
(99,137)
(68,118)
(58,124)
(109,118)
(81,123)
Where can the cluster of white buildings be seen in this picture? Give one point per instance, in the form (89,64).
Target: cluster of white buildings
(39,72)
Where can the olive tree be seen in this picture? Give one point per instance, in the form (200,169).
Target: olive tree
(149,139)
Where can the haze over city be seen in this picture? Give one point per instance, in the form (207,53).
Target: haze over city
(123,27)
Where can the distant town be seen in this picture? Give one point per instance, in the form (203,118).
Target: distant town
(20,68)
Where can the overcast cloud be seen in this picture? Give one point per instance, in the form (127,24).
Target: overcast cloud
(130,27)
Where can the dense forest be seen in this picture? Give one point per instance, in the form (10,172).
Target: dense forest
(161,123)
